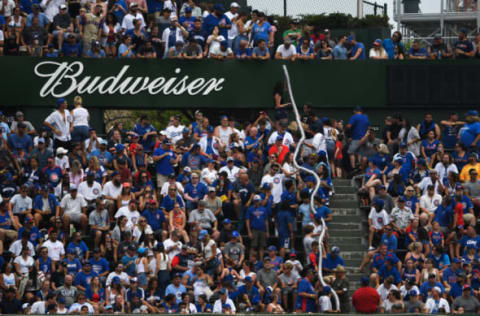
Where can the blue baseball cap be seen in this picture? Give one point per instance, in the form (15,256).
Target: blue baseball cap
(202,234)
(364,280)
(378,202)
(378,42)
(266,186)
(119,147)
(403,145)
(421,161)
(227,221)
(218,7)
(235,234)
(61,101)
(279,137)
(210,129)
(463,30)
(472,113)
(188,10)
(310,179)
(402,199)
(224,43)
(223,291)
(326,290)
(186,130)
(456,260)
(272,248)
(248,278)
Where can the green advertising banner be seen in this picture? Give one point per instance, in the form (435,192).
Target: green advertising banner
(146,83)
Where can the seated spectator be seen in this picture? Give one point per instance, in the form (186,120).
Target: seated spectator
(417,52)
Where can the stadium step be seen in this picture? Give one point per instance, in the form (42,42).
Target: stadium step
(348,229)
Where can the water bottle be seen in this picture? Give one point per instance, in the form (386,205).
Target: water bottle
(439,54)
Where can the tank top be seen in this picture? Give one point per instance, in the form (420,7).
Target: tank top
(112,295)
(140,267)
(16,23)
(163,262)
(125,202)
(224,134)
(177,219)
(9,279)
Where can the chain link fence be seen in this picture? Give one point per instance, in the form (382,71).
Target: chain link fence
(297,8)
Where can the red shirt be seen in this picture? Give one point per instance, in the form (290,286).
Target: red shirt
(366,300)
(281,151)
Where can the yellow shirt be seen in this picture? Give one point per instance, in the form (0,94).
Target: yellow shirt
(465,173)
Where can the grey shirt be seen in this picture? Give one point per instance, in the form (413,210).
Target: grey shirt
(267,278)
(233,250)
(473,188)
(98,219)
(470,305)
(205,218)
(70,294)
(387,199)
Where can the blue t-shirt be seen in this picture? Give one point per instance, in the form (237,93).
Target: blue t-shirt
(100,54)
(164,166)
(189,21)
(253,294)
(211,21)
(284,218)
(421,52)
(384,273)
(340,52)
(73,266)
(370,172)
(331,263)
(34,234)
(359,125)
(45,265)
(430,147)
(450,275)
(355,48)
(427,287)
(80,249)
(196,191)
(141,130)
(441,261)
(84,279)
(71,50)
(469,132)
(168,202)
(129,264)
(177,291)
(257,217)
(261,32)
(307,305)
(444,215)
(389,46)
(155,218)
(465,45)
(99,266)
(20,142)
(322,212)
(239,53)
(391,242)
(119,14)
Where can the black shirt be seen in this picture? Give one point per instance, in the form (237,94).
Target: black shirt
(11,307)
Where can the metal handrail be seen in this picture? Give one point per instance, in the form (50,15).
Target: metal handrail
(317,183)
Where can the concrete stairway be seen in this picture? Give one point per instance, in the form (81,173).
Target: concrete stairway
(348,230)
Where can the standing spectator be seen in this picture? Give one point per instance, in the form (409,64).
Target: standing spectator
(91,27)
(463,47)
(262,30)
(394,43)
(341,287)
(340,51)
(59,122)
(52,8)
(306,296)
(358,126)
(366,299)
(217,19)
(80,117)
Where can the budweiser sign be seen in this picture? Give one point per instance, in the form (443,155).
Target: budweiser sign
(64,78)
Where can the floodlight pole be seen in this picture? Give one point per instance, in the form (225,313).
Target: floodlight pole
(284,8)
(359,9)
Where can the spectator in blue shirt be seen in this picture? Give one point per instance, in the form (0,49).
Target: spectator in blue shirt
(71,47)
(243,52)
(249,292)
(78,246)
(332,260)
(217,19)
(417,52)
(84,277)
(389,239)
(463,47)
(154,216)
(358,49)
(391,43)
(176,288)
(306,297)
(42,18)
(194,191)
(389,269)
(428,285)
(470,133)
(20,140)
(358,125)
(257,225)
(340,51)
(146,131)
(96,51)
(72,264)
(164,159)
(262,30)
(99,264)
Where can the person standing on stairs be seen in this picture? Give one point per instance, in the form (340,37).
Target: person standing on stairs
(341,286)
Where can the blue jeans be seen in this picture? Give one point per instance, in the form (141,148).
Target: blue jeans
(80,133)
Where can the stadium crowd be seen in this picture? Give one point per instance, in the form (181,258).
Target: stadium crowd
(201,218)
(189,30)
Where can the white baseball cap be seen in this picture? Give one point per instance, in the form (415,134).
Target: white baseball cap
(234,5)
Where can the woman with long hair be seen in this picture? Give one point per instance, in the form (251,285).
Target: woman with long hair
(108,247)
(410,136)
(126,196)
(118,233)
(415,253)
(153,293)
(163,266)
(95,293)
(209,250)
(142,267)
(111,31)
(113,290)
(99,171)
(8,279)
(76,173)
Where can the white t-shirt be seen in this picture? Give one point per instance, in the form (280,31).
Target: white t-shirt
(170,243)
(16,248)
(423,185)
(71,205)
(132,216)
(430,203)
(210,175)
(24,264)
(217,307)
(63,162)
(377,53)
(56,120)
(215,43)
(233,32)
(80,117)
(76,308)
(432,306)
(383,291)
(325,303)
(8,10)
(319,142)
(287,138)
(166,185)
(109,189)
(20,203)
(231,173)
(219,52)
(286,52)
(122,276)
(90,193)
(2,37)
(38,308)
(55,249)
(276,182)
(174,133)
(127,22)
(443,172)
(380,219)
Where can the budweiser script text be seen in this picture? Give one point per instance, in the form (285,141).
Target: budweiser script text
(66,78)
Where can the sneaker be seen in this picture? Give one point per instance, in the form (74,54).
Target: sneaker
(371,248)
